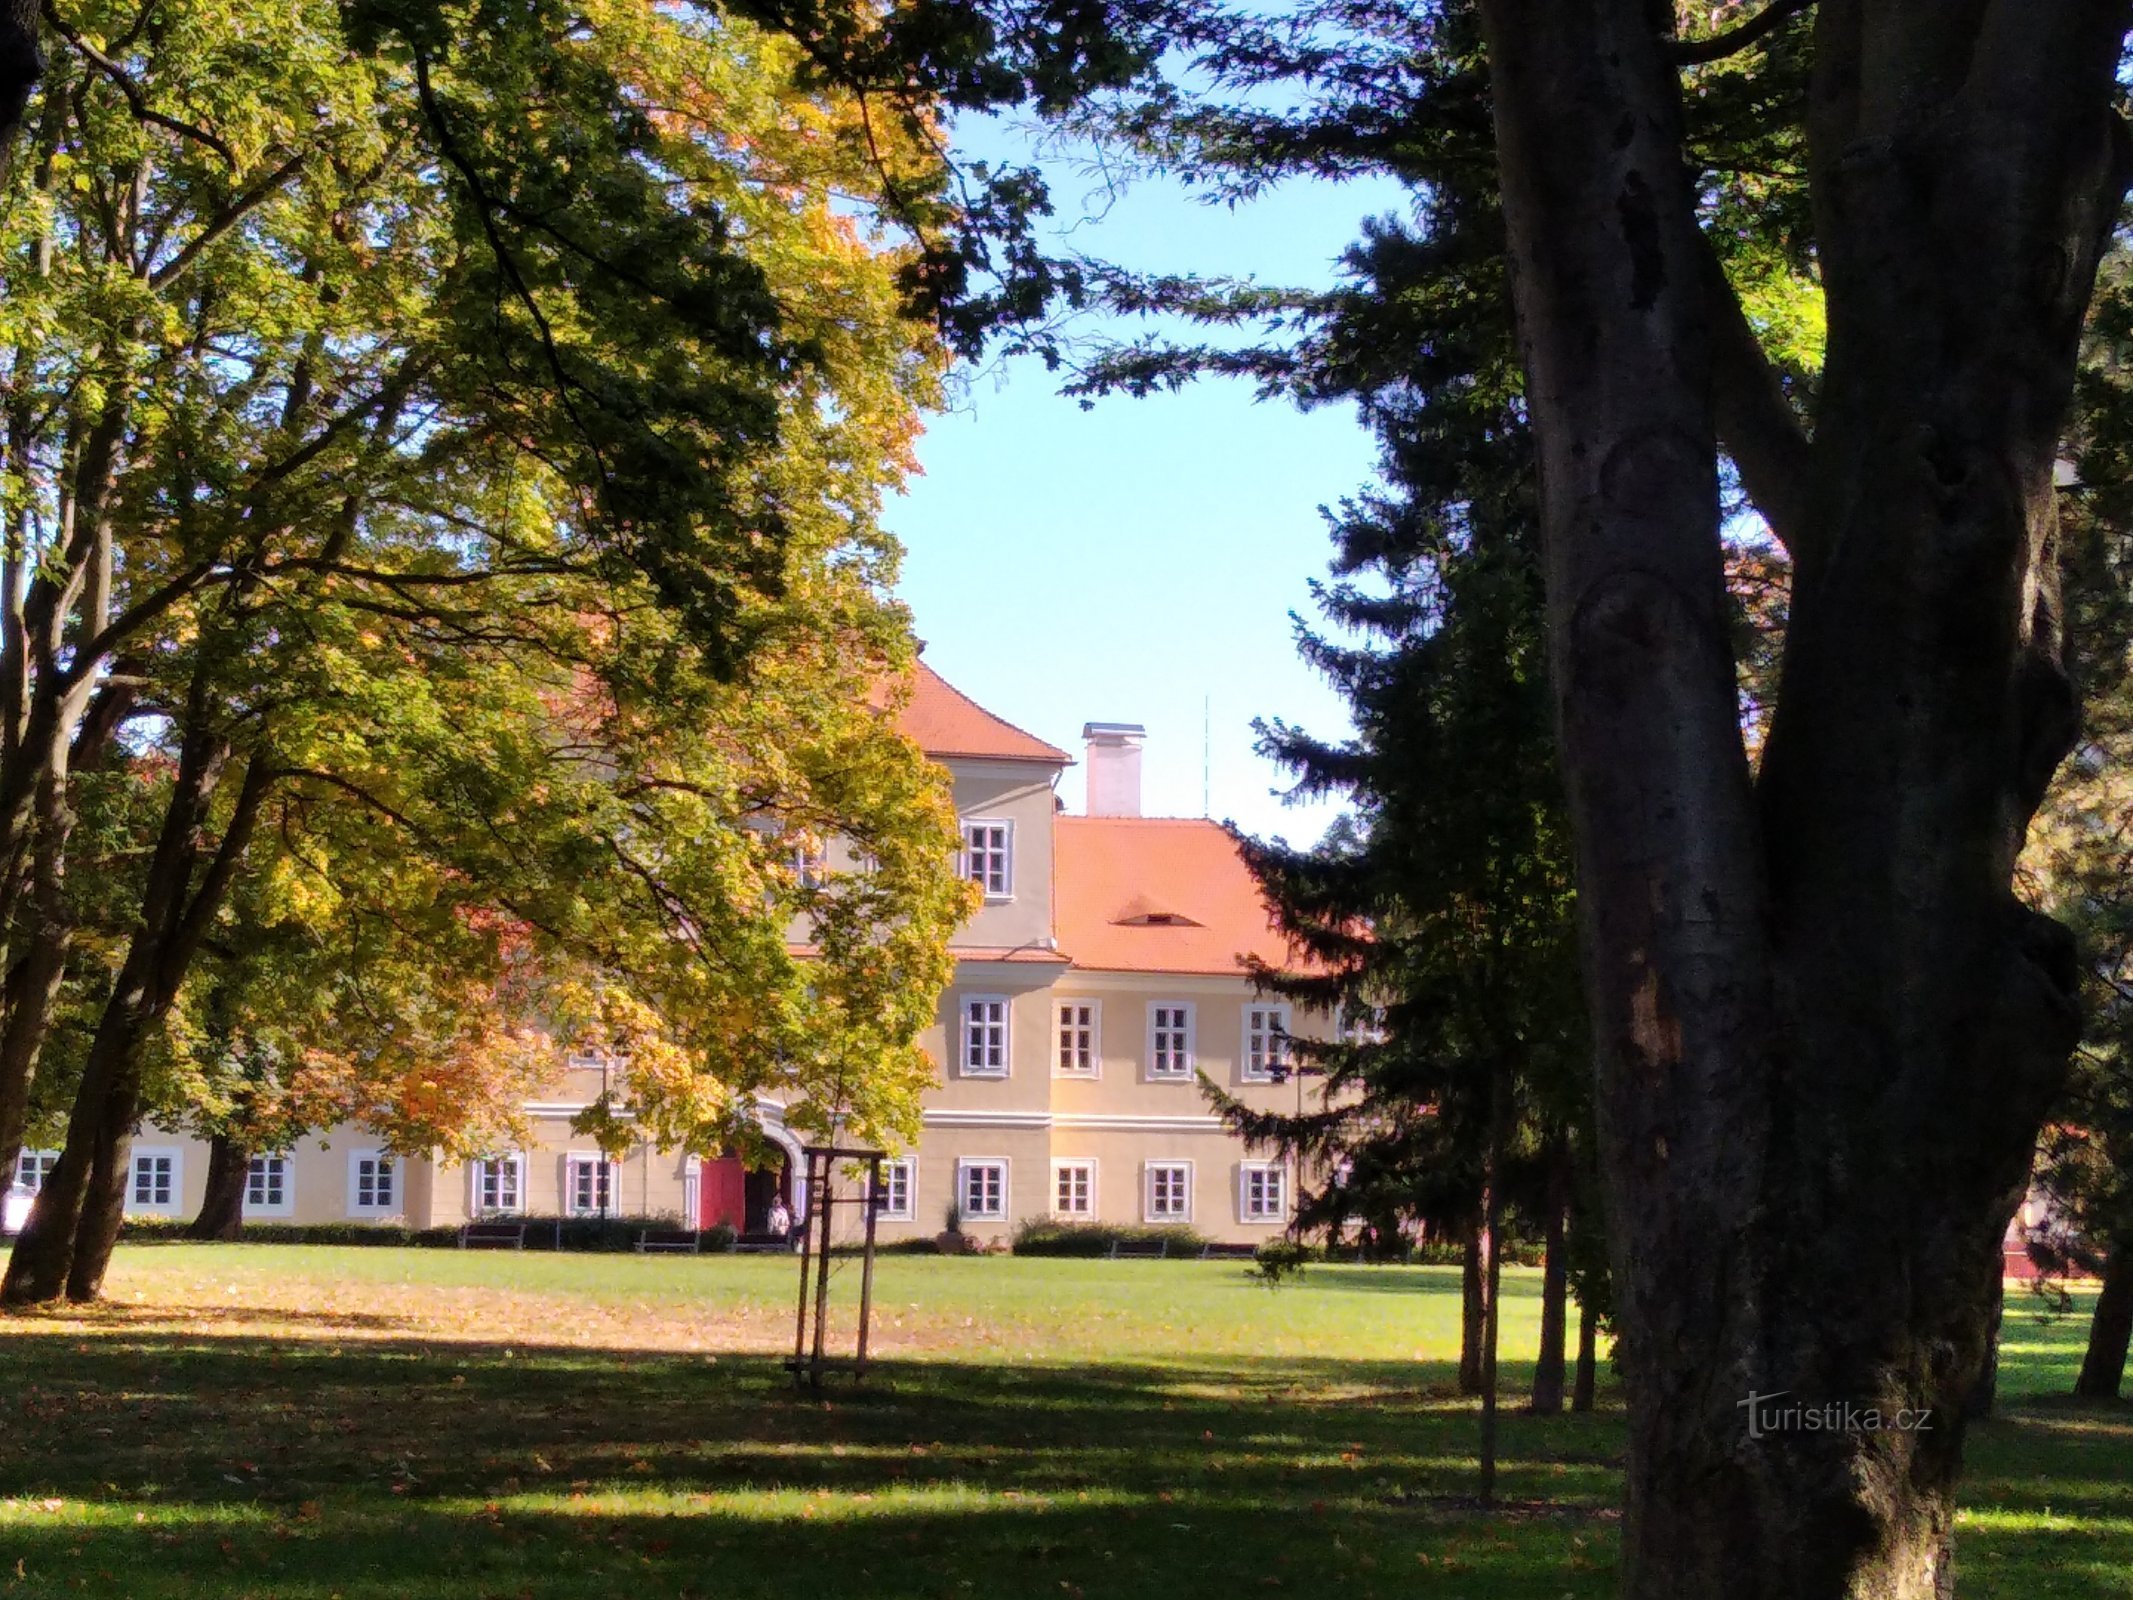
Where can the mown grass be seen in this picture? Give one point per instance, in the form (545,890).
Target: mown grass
(256,1421)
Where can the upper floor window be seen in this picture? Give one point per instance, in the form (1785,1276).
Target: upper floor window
(1170,1039)
(984,1036)
(988,851)
(1266,1043)
(1077,1039)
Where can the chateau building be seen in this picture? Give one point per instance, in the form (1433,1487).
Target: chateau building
(1103,972)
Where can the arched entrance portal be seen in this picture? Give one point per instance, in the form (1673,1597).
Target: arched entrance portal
(740,1196)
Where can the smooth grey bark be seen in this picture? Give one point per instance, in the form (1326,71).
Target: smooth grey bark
(2103,1363)
(1826,1030)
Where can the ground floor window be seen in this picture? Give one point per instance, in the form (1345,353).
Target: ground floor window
(32,1167)
(499,1185)
(155,1182)
(1169,1191)
(1263,1192)
(1074,1188)
(589,1186)
(899,1189)
(981,1191)
(266,1184)
(373,1183)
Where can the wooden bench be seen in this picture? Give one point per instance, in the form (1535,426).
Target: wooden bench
(763,1244)
(1122,1251)
(1227,1252)
(493,1236)
(669,1241)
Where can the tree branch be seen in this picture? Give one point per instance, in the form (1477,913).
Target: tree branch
(1695,52)
(1756,423)
(137,100)
(228,218)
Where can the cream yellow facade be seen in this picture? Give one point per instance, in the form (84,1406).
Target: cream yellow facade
(1101,976)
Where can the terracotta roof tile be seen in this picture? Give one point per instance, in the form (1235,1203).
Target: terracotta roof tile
(944,721)
(1110,875)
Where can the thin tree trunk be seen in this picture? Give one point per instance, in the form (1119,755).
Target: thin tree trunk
(1555,1285)
(229,1171)
(1472,1300)
(1491,1234)
(1587,1380)
(2103,1364)
(66,1245)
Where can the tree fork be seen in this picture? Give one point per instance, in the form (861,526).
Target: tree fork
(1826,1031)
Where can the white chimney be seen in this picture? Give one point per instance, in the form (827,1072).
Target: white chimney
(1114,767)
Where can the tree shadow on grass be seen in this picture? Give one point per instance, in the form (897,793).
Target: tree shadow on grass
(293,1468)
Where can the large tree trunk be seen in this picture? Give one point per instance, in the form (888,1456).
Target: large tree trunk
(1472,1304)
(1827,1030)
(1555,1286)
(1985,1393)
(229,1171)
(2103,1364)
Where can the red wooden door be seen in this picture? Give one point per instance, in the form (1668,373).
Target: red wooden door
(723,1197)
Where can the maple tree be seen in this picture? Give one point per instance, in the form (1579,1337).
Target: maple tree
(406,481)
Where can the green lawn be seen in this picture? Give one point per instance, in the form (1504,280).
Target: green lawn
(261,1421)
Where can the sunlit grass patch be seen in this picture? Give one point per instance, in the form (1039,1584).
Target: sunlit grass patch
(303,1423)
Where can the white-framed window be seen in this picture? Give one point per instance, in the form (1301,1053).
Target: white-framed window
(32,1167)
(810,867)
(155,1184)
(1074,1188)
(373,1184)
(1266,1043)
(984,1025)
(988,857)
(269,1186)
(981,1189)
(1170,1039)
(1079,1030)
(588,1185)
(1362,1024)
(496,1185)
(1262,1192)
(1167,1191)
(585,1061)
(899,1189)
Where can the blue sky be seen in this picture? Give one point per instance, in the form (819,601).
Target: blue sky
(1138,561)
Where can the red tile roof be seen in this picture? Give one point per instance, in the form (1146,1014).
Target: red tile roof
(1115,880)
(946,722)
